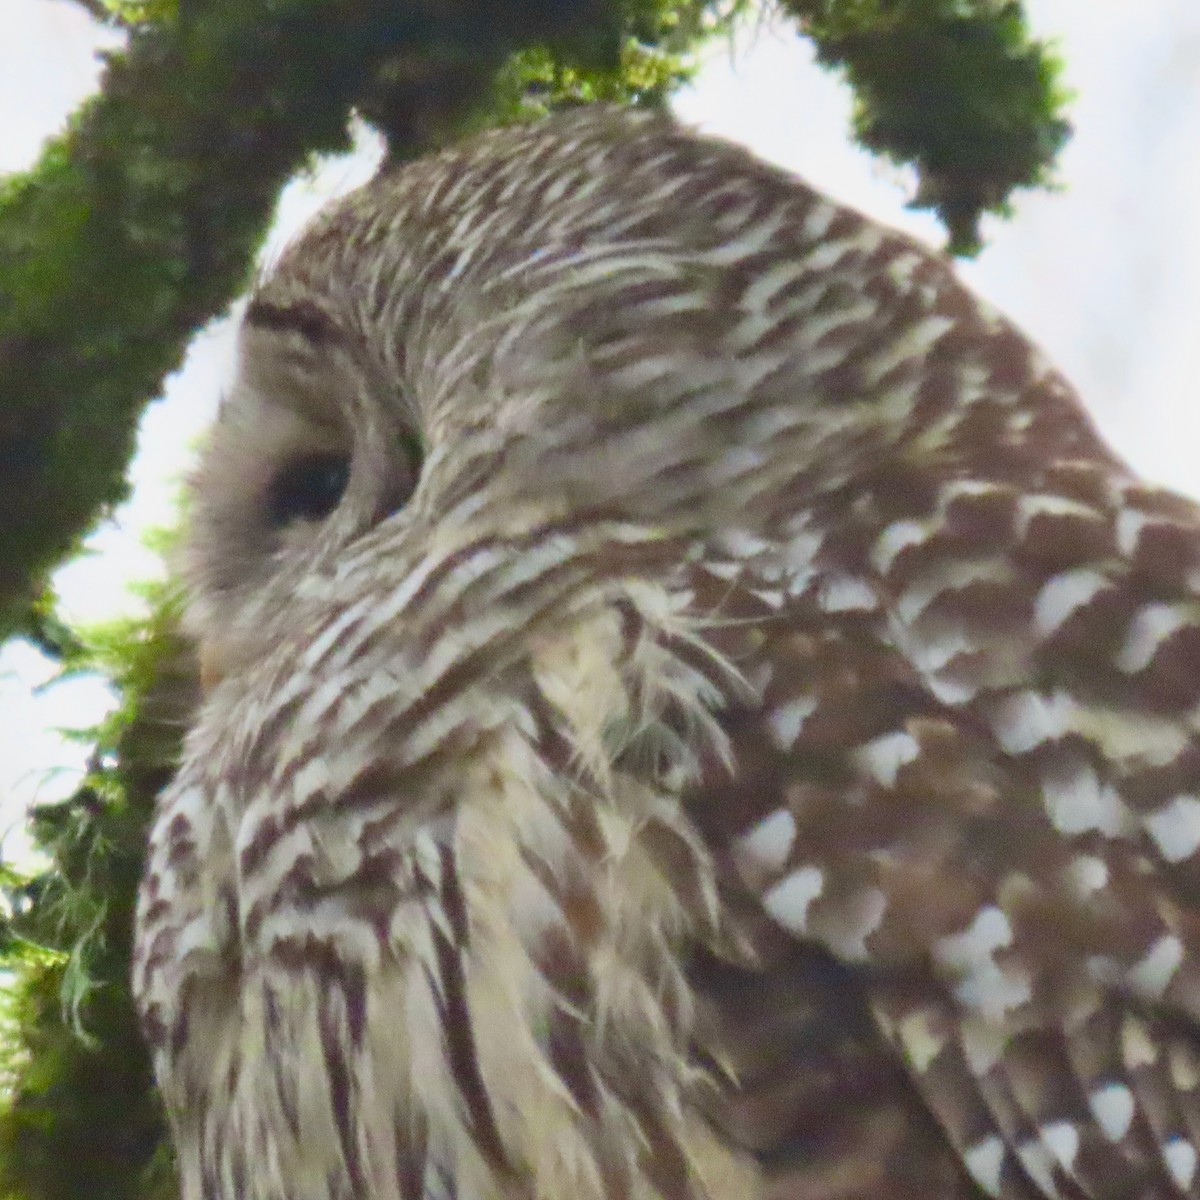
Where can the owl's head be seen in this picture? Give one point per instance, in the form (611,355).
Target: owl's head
(601,317)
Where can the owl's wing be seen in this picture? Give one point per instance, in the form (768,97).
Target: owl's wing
(962,817)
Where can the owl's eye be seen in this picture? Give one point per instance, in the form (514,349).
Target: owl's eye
(308,488)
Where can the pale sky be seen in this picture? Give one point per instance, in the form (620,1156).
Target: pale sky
(1102,272)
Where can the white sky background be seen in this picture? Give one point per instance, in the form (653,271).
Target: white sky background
(1103,273)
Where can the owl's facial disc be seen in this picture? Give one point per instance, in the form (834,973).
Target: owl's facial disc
(305,458)
(303,491)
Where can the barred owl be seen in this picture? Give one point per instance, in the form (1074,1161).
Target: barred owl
(695,712)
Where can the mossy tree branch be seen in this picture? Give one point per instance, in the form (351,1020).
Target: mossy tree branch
(958,89)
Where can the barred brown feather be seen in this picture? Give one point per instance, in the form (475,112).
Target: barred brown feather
(752,752)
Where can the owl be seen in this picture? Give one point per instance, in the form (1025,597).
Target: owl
(694,712)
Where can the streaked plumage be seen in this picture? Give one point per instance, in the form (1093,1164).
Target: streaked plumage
(736,734)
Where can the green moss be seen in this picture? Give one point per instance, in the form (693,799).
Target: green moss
(82,1118)
(956,88)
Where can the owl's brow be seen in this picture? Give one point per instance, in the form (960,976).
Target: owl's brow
(300,316)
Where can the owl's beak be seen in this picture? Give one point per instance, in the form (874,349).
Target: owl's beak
(212,665)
